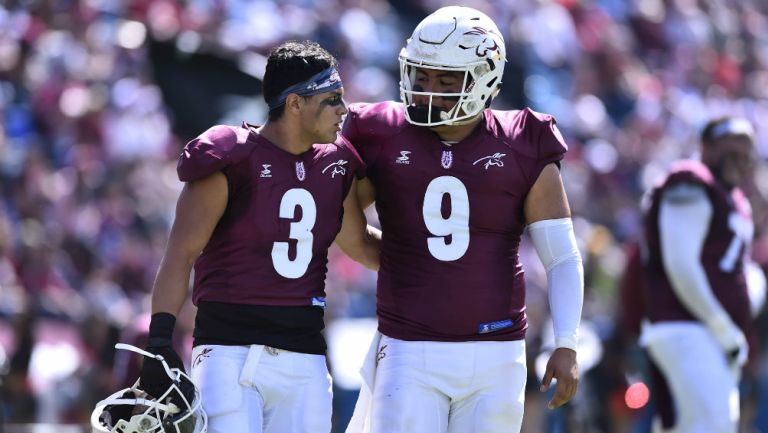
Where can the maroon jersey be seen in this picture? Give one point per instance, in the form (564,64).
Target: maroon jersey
(722,256)
(451,217)
(270,246)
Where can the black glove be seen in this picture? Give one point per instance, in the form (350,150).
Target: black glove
(154,380)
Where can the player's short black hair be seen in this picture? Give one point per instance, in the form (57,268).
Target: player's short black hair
(707,134)
(290,63)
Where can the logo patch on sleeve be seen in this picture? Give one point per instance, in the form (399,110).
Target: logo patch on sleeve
(494,326)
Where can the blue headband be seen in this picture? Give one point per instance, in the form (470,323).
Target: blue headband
(322,82)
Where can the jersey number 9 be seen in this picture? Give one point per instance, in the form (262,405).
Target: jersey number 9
(455,225)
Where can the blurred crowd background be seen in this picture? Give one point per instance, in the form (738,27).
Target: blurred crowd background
(97,98)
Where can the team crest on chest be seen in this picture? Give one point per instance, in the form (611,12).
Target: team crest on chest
(301,173)
(447,159)
(265,171)
(337,167)
(492,160)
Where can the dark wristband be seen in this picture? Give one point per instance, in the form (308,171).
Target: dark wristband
(161,329)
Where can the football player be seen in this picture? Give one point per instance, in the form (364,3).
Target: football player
(455,185)
(259,210)
(698,229)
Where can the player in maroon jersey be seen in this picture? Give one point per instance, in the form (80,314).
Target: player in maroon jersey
(259,210)
(698,229)
(455,185)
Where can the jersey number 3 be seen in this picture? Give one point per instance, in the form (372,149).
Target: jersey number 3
(301,231)
(455,225)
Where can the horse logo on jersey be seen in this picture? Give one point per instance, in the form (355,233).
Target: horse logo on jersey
(403,158)
(490,160)
(338,168)
(381,354)
(266,172)
(447,159)
(206,353)
(481,49)
(301,173)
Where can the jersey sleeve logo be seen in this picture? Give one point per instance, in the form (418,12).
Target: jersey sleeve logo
(265,171)
(337,167)
(492,160)
(403,158)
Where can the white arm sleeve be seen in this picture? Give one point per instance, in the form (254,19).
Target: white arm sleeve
(555,243)
(684,218)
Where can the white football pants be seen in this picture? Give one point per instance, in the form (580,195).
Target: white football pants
(258,389)
(704,386)
(440,387)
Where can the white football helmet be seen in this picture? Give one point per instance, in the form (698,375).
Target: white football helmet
(453,38)
(132,410)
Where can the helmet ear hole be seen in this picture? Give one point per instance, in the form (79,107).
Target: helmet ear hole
(481,70)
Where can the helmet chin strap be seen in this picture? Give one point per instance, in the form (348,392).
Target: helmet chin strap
(423,114)
(426,113)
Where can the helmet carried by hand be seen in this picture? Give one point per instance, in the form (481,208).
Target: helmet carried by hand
(131,410)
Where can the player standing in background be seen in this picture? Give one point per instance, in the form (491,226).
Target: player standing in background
(259,210)
(698,229)
(455,185)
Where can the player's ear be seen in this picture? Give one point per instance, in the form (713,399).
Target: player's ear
(293,103)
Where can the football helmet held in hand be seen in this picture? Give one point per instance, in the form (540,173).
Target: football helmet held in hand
(132,410)
(453,39)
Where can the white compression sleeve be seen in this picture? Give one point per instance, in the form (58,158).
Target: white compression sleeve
(684,217)
(555,243)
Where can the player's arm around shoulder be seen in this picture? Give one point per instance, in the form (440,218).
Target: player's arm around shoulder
(200,206)
(358,240)
(549,217)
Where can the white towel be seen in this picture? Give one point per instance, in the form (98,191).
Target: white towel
(361,417)
(248,374)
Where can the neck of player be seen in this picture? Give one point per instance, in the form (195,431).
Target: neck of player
(283,134)
(456,133)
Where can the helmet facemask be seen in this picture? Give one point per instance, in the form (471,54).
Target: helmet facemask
(469,102)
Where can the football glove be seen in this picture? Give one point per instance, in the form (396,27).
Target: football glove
(153,378)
